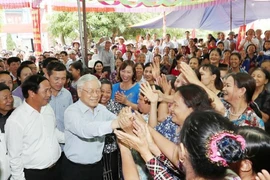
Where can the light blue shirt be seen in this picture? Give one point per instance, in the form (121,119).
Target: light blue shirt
(59,104)
(84,132)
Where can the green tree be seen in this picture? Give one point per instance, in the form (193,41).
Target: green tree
(10,43)
(66,25)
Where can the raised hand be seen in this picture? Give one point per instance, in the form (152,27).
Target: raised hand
(125,119)
(165,85)
(189,73)
(155,69)
(148,92)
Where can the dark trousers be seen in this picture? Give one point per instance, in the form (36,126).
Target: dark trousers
(51,173)
(74,171)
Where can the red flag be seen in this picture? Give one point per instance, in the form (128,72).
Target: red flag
(36,30)
(241,35)
(193,34)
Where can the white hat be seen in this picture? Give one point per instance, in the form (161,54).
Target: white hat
(72,52)
(121,37)
(94,59)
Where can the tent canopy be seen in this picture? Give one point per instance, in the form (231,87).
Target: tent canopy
(213,18)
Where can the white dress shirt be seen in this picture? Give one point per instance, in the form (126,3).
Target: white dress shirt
(32,139)
(84,132)
(4,159)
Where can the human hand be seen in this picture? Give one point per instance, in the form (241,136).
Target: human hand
(189,73)
(164,84)
(125,119)
(120,98)
(155,68)
(148,92)
(264,175)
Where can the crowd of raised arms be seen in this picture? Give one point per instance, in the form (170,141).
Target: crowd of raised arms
(153,109)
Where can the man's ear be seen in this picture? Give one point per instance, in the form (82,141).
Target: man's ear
(31,93)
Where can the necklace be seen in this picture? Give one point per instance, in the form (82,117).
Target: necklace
(236,114)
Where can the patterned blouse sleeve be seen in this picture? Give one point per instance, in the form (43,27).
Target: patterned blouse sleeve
(164,160)
(157,170)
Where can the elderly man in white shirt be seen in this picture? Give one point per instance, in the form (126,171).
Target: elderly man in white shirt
(86,123)
(31,134)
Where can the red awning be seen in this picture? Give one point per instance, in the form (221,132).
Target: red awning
(14,4)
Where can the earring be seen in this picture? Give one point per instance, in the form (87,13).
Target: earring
(181,160)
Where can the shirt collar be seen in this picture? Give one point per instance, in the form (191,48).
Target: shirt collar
(84,108)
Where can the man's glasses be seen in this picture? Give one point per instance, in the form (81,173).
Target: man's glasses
(92,91)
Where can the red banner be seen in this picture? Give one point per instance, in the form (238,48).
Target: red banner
(36,30)
(241,35)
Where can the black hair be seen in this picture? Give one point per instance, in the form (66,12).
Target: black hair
(267,41)
(216,49)
(32,84)
(266,73)
(78,66)
(64,52)
(3,86)
(97,62)
(214,71)
(27,63)
(19,71)
(13,59)
(137,64)
(147,65)
(55,66)
(195,97)
(105,81)
(258,147)
(123,66)
(7,73)
(236,54)
(244,80)
(249,46)
(196,132)
(48,60)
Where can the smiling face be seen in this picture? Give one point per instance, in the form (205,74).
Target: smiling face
(214,57)
(235,62)
(207,78)
(57,79)
(6,101)
(106,92)
(90,93)
(179,109)
(126,74)
(230,90)
(147,74)
(260,78)
(98,67)
(43,95)
(193,63)
(139,70)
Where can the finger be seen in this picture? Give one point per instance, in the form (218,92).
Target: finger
(260,176)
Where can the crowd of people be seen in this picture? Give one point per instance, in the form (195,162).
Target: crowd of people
(155,109)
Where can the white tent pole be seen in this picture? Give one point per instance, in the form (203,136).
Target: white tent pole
(80,24)
(245,10)
(164,24)
(231,15)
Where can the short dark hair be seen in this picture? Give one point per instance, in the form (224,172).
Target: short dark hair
(137,64)
(13,59)
(64,52)
(217,50)
(27,63)
(196,132)
(55,66)
(258,147)
(19,71)
(105,81)
(32,83)
(48,60)
(97,62)
(7,73)
(78,66)
(3,86)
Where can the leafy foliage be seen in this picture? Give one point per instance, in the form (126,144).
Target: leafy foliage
(10,43)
